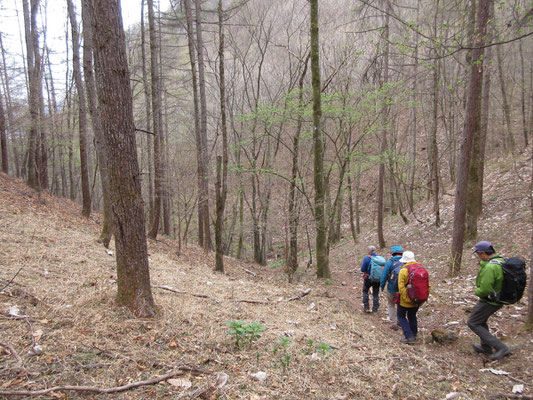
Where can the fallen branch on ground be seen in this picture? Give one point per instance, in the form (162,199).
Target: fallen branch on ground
(249,272)
(301,295)
(511,396)
(180,371)
(171,289)
(12,351)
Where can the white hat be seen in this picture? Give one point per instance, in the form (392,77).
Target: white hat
(408,256)
(371,248)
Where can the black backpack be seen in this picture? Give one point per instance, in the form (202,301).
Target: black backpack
(514,281)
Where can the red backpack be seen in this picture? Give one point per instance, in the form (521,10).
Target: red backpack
(418,285)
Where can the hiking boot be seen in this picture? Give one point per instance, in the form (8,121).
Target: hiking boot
(411,340)
(394,327)
(367,309)
(500,353)
(482,348)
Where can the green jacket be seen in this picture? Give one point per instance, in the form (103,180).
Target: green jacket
(489,279)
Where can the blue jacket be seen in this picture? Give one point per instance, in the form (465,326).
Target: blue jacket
(387,270)
(365,267)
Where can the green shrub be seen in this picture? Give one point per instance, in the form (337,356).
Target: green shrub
(244,333)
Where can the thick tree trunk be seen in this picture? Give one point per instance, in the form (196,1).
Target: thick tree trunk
(82,108)
(116,111)
(322,256)
(471,123)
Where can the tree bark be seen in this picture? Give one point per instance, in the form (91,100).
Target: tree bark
(474,203)
(156,114)
(115,99)
(88,49)
(34,80)
(508,141)
(221,182)
(82,109)
(196,103)
(3,138)
(471,123)
(322,256)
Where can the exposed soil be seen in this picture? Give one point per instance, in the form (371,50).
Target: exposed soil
(62,284)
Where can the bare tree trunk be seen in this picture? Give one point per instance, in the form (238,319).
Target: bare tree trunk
(200,165)
(204,196)
(82,123)
(34,79)
(508,143)
(88,49)
(3,138)
(10,117)
(116,111)
(156,108)
(433,150)
(221,182)
(474,204)
(148,107)
(292,256)
(383,145)
(523,94)
(471,123)
(413,120)
(322,256)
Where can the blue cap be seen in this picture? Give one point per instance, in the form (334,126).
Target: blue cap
(396,249)
(482,246)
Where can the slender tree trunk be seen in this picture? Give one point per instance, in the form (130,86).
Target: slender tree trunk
(471,123)
(116,111)
(34,79)
(413,120)
(474,203)
(156,114)
(508,142)
(106,232)
(82,122)
(221,181)
(523,94)
(196,101)
(3,138)
(10,118)
(432,145)
(384,144)
(204,196)
(292,259)
(322,256)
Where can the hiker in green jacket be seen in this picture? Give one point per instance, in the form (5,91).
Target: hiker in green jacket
(489,281)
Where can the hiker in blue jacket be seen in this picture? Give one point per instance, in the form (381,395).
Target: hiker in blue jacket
(392,279)
(367,282)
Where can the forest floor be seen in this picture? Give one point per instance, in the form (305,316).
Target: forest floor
(59,325)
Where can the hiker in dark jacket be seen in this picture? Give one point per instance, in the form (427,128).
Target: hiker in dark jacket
(367,282)
(392,286)
(488,281)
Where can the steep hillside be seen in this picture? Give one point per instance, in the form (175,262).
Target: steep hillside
(59,285)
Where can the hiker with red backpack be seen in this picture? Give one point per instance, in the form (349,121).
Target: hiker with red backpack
(372,268)
(390,274)
(499,281)
(414,287)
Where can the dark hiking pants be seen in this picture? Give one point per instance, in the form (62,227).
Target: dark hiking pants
(478,323)
(367,284)
(408,321)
